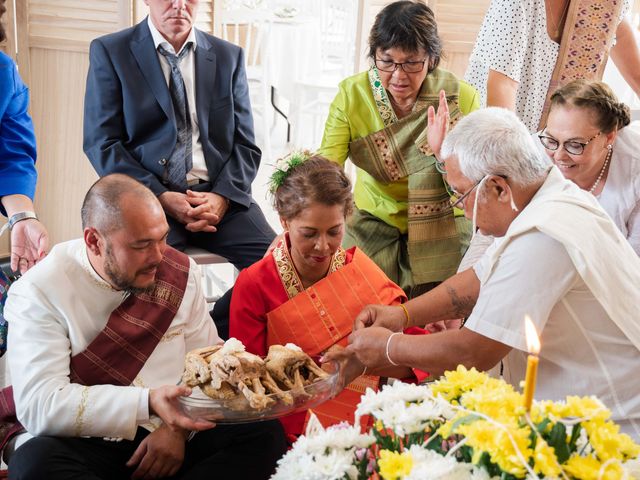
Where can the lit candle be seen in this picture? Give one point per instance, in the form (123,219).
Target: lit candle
(533,345)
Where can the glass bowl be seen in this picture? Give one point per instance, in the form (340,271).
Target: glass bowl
(237,410)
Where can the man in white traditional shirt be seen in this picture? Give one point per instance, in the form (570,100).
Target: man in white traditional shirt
(558,258)
(98,336)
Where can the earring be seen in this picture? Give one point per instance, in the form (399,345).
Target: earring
(609,147)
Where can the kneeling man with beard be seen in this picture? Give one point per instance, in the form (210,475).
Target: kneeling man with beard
(97,338)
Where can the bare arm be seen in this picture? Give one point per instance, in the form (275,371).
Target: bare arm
(626,56)
(445,351)
(501,91)
(453,298)
(431,353)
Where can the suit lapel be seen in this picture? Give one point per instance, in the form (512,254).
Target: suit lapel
(145,54)
(205,80)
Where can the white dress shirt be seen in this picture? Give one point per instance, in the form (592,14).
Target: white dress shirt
(188,71)
(55,310)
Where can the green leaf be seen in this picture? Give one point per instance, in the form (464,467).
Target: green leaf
(558,440)
(575,434)
(542,426)
(464,420)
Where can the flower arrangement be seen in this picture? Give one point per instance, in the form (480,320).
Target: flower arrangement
(466,425)
(284,165)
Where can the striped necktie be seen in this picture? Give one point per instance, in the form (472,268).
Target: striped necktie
(180,162)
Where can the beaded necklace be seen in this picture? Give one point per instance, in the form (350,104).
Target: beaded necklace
(602,170)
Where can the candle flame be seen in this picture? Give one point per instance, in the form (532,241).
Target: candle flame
(533,342)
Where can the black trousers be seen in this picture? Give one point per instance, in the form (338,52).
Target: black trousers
(243,237)
(247,452)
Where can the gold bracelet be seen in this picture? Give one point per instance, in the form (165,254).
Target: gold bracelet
(406,314)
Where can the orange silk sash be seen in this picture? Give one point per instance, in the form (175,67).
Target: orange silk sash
(323,315)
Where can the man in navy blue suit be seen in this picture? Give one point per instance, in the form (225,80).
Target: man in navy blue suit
(169,105)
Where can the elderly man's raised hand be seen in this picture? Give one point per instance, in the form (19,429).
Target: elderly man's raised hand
(438,124)
(163,401)
(391,318)
(29,244)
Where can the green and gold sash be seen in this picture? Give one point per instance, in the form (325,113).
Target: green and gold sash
(437,238)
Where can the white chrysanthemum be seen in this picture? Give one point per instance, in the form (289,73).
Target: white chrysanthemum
(231,346)
(632,468)
(326,455)
(481,474)
(405,408)
(429,465)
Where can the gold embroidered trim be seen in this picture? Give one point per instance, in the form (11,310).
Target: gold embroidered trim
(419,209)
(137,382)
(171,335)
(392,169)
(339,260)
(287,271)
(381,98)
(79,423)
(164,294)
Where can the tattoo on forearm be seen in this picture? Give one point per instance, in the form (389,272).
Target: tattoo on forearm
(461,306)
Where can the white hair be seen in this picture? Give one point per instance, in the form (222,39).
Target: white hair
(493,141)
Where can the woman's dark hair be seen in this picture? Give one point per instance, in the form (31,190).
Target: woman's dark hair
(317,180)
(599,98)
(3,35)
(408,26)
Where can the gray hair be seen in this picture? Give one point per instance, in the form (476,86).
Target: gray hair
(493,141)
(101,208)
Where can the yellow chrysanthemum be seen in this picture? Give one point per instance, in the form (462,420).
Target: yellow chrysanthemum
(394,465)
(496,400)
(608,442)
(588,468)
(545,460)
(586,407)
(457,382)
(483,436)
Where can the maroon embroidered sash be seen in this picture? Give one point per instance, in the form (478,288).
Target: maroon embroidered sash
(130,336)
(134,329)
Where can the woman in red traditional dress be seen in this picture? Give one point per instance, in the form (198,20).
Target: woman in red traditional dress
(309,289)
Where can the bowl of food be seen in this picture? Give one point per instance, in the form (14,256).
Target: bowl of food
(230,385)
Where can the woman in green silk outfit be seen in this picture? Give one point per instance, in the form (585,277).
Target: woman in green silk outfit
(403,220)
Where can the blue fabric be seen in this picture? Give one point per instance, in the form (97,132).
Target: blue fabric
(129,120)
(17,139)
(180,162)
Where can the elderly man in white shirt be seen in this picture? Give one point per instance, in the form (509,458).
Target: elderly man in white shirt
(98,336)
(558,258)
